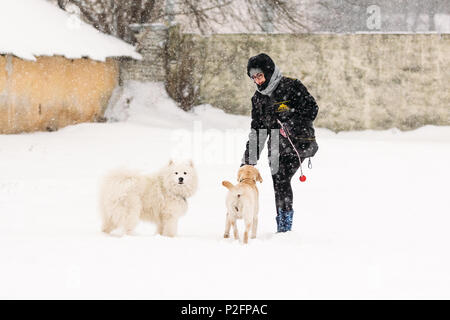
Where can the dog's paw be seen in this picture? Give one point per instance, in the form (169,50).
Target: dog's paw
(226,235)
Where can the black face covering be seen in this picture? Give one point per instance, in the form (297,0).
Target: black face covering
(265,63)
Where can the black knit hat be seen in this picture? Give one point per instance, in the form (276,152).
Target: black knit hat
(265,63)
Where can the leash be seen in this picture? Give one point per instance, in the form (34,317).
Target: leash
(286,134)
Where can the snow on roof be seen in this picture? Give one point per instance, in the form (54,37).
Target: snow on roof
(30,28)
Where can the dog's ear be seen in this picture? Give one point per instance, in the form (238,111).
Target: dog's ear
(191,163)
(259,178)
(170,162)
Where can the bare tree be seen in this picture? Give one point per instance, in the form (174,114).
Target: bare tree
(114,16)
(246,15)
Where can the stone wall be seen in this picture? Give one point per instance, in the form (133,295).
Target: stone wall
(151,39)
(360,81)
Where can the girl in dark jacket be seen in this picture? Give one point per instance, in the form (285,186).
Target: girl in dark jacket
(284,111)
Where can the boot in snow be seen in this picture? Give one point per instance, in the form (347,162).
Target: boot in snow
(284,220)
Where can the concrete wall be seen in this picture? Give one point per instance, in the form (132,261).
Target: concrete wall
(53,92)
(360,81)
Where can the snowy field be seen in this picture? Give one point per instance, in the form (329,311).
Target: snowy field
(371,221)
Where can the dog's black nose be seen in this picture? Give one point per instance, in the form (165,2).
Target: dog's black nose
(180,179)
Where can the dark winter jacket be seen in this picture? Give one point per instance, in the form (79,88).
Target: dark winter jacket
(295,108)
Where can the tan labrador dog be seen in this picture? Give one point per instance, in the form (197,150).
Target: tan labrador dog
(242,202)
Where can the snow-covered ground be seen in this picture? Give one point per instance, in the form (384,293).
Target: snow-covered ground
(371,221)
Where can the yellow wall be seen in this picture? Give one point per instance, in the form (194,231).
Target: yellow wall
(53,92)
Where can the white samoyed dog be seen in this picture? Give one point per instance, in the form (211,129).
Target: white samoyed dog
(126,197)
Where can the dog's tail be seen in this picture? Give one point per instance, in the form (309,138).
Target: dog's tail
(228,185)
(236,205)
